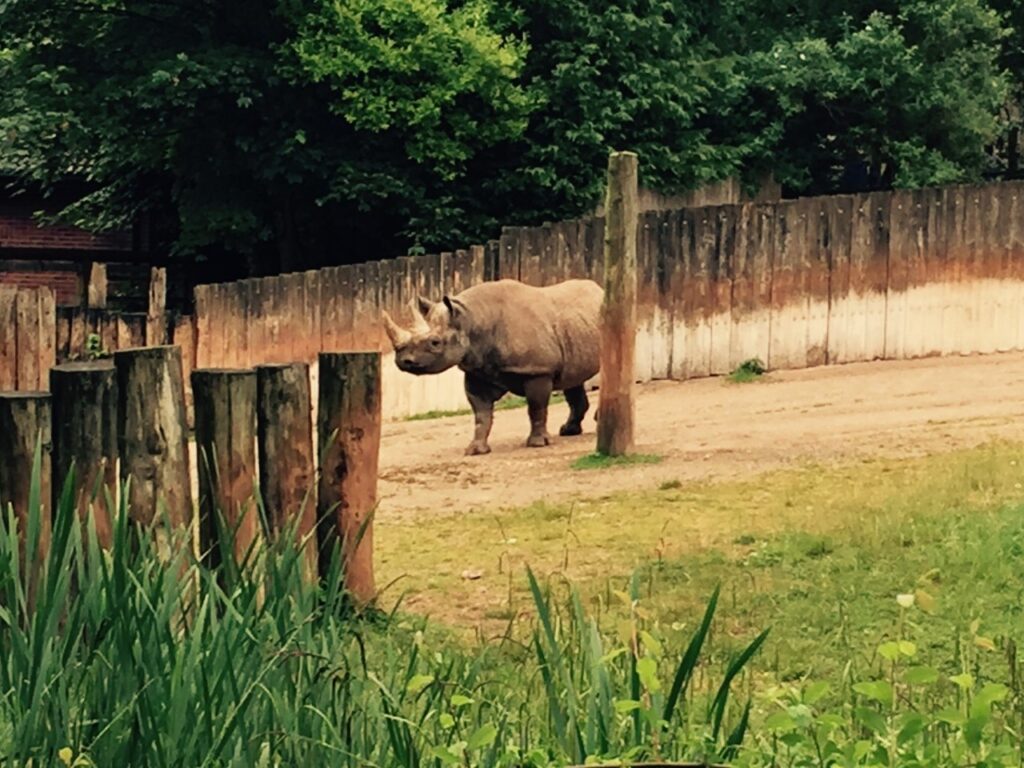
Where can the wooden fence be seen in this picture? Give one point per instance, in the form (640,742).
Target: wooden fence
(794,283)
(124,419)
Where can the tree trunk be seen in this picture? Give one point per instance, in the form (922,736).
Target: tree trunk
(284,432)
(348,431)
(225,413)
(85,435)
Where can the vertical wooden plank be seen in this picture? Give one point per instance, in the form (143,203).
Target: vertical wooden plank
(508,260)
(970,339)
(676,270)
(666,258)
(330,312)
(27,312)
(646,294)
(492,257)
(1016,258)
(742,299)
(446,268)
(993,297)
(64,315)
(201,300)
(933,285)
(687,310)
(8,340)
(250,322)
(530,269)
(701,296)
(817,266)
(78,332)
(617,406)
(902,239)
(346,306)
(109,329)
(720,268)
(372,331)
(96,290)
(349,419)
(955,311)
(839,210)
(156,314)
(313,314)
(550,255)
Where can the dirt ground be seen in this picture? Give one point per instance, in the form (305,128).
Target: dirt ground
(713,429)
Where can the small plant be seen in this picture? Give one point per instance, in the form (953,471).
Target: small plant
(748,370)
(600,461)
(94,347)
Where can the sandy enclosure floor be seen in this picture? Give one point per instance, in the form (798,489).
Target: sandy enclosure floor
(713,429)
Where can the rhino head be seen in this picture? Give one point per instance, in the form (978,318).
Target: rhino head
(437,339)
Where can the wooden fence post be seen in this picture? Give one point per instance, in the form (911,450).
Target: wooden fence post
(225,413)
(96,291)
(25,419)
(152,438)
(348,432)
(617,406)
(85,434)
(284,433)
(156,315)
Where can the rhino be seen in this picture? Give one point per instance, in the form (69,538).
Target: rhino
(507,336)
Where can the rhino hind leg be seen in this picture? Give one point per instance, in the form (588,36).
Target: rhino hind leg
(576,397)
(482,396)
(538,394)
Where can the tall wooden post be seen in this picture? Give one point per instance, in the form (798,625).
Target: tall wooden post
(85,434)
(96,291)
(284,433)
(152,439)
(225,412)
(348,431)
(617,406)
(156,315)
(24,420)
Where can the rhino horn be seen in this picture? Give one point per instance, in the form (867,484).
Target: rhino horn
(396,333)
(419,322)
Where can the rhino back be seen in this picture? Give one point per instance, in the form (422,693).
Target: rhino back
(525,330)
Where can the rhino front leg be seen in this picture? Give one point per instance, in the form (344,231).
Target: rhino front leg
(538,394)
(576,397)
(482,396)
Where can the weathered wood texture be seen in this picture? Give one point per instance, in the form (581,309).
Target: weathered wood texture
(617,407)
(348,430)
(225,410)
(152,436)
(284,432)
(85,437)
(25,423)
(156,314)
(795,283)
(96,290)
(28,338)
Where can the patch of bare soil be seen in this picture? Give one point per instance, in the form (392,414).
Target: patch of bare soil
(713,429)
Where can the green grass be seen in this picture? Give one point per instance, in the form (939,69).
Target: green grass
(600,461)
(747,371)
(765,623)
(507,403)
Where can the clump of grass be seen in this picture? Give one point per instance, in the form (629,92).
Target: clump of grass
(600,461)
(671,485)
(507,403)
(747,371)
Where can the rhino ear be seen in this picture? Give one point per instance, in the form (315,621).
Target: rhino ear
(456,311)
(424,304)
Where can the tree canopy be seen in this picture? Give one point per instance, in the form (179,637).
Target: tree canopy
(288,134)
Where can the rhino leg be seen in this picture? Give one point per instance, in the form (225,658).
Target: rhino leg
(538,394)
(576,397)
(482,396)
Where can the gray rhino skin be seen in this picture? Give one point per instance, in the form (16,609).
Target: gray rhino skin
(509,337)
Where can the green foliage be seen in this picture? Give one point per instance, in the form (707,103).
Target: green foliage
(387,126)
(747,371)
